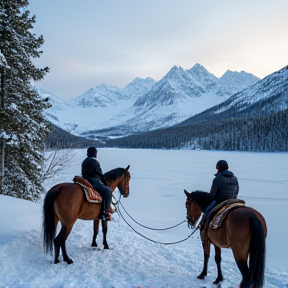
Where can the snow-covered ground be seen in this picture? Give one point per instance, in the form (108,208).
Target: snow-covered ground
(156,200)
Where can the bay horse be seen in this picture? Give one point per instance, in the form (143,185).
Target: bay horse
(65,202)
(243,230)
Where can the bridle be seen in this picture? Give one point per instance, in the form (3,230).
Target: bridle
(127,178)
(191,211)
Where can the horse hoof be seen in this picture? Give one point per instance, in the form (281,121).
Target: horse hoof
(93,245)
(106,247)
(69,261)
(202,276)
(217,281)
(56,261)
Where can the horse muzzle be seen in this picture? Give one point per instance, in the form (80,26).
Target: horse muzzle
(126,195)
(191,222)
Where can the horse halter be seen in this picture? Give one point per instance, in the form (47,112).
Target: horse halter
(190,214)
(127,178)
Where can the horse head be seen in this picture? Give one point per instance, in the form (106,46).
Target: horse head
(194,211)
(123,184)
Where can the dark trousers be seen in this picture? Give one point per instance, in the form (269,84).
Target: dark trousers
(209,208)
(103,190)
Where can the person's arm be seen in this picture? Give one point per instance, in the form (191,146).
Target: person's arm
(237,188)
(97,169)
(214,188)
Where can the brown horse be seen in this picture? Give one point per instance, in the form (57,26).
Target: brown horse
(243,230)
(65,202)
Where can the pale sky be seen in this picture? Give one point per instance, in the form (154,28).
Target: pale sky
(91,42)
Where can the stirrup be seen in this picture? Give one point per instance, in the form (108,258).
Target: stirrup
(106,217)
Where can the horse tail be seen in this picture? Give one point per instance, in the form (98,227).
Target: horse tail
(49,228)
(257,252)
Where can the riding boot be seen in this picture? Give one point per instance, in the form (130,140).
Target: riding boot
(203,222)
(106,216)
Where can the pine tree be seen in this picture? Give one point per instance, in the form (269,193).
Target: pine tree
(3,67)
(23,129)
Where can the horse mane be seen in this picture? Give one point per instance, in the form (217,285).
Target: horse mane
(201,198)
(114,174)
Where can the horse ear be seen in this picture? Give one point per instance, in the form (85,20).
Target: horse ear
(186,193)
(127,168)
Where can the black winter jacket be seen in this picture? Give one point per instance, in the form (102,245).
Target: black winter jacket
(225,186)
(91,168)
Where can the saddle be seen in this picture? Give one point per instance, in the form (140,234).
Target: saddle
(219,213)
(92,196)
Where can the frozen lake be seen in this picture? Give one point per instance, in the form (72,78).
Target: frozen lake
(156,200)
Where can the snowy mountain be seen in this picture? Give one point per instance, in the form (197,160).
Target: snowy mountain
(274,88)
(179,95)
(56,104)
(138,87)
(267,95)
(145,104)
(100,96)
(254,119)
(233,82)
(104,96)
(94,106)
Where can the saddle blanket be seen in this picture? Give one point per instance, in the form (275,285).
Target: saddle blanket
(222,211)
(92,196)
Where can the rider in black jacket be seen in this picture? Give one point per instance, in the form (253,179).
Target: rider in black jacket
(225,186)
(92,172)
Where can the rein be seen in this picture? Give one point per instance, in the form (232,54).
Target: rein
(160,229)
(155,229)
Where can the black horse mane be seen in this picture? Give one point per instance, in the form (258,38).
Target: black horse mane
(203,199)
(114,174)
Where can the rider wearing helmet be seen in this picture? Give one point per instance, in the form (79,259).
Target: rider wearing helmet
(92,172)
(224,186)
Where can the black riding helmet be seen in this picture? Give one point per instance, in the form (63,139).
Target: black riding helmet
(222,165)
(92,152)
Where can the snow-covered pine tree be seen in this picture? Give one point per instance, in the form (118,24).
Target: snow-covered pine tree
(3,67)
(23,128)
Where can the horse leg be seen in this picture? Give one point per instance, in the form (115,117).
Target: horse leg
(243,267)
(95,232)
(56,245)
(218,263)
(206,248)
(59,241)
(241,261)
(104,230)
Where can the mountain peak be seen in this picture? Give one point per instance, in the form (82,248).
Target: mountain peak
(199,72)
(103,86)
(241,74)
(176,68)
(198,66)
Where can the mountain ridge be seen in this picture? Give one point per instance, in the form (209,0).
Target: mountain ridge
(146,104)
(178,95)
(254,119)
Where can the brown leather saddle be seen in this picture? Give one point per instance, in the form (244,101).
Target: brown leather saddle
(219,213)
(92,196)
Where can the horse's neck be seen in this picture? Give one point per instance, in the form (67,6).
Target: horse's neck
(115,183)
